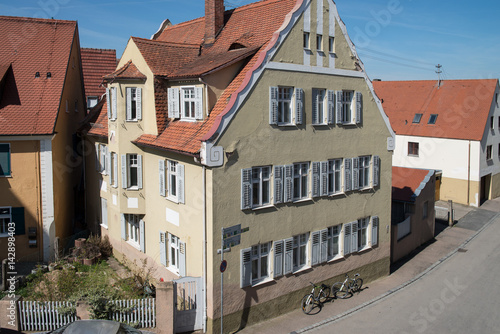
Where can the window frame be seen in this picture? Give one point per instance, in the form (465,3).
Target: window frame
(306,40)
(319,42)
(4,224)
(104,217)
(347,106)
(432,119)
(331,44)
(334,232)
(413,149)
(363,228)
(301,178)
(172,175)
(8,154)
(173,253)
(320,103)
(133,104)
(417,118)
(131,166)
(191,100)
(333,174)
(260,181)
(133,229)
(258,257)
(285,105)
(489,151)
(300,250)
(364,167)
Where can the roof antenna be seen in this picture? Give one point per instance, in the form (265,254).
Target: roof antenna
(439,74)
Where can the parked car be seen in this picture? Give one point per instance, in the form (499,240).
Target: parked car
(96,327)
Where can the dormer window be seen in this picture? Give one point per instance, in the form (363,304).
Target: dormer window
(417,118)
(236,46)
(185,103)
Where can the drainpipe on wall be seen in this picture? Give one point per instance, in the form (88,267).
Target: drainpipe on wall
(204,247)
(468,176)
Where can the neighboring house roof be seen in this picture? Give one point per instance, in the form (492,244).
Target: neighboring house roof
(408,182)
(30,104)
(178,52)
(462,107)
(96,122)
(127,71)
(96,63)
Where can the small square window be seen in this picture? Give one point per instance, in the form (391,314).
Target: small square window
(306,41)
(417,118)
(413,149)
(432,119)
(319,42)
(331,44)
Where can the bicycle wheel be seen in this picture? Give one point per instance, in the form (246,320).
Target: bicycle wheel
(357,284)
(307,303)
(340,290)
(324,294)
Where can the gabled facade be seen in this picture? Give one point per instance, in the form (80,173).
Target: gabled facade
(413,214)
(41,105)
(451,127)
(262,117)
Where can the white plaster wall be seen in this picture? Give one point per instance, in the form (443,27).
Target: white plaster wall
(491,137)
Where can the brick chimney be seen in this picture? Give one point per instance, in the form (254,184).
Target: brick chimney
(214,19)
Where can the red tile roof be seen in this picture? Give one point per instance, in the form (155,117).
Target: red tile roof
(96,63)
(462,106)
(406,182)
(251,26)
(98,119)
(30,105)
(127,71)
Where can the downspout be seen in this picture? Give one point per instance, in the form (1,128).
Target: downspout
(204,247)
(468,176)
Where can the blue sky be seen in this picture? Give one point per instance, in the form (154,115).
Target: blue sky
(396,39)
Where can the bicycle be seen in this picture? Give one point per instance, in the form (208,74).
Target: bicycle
(349,286)
(311,299)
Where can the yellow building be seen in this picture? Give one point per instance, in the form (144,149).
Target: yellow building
(41,105)
(260,119)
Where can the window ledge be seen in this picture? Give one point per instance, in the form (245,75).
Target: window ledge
(364,249)
(134,244)
(262,282)
(301,269)
(340,193)
(133,188)
(335,259)
(132,120)
(172,199)
(321,124)
(173,270)
(267,206)
(309,199)
(287,124)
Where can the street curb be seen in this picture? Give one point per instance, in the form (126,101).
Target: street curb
(398,288)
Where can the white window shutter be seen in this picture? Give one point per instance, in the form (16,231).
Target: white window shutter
(273,105)
(123,226)
(338,106)
(142,235)
(115,170)
(124,171)
(299,105)
(163,248)
(169,252)
(128,93)
(324,178)
(288,266)
(288,186)
(246,267)
(315,107)
(114,104)
(97,158)
(278,258)
(108,163)
(316,179)
(182,259)
(180,184)
(198,104)
(355,173)
(102,160)
(347,174)
(173,103)
(138,103)
(359,107)
(316,247)
(374,230)
(108,103)
(246,188)
(331,106)
(161,174)
(376,171)
(139,171)
(354,232)
(278,184)
(324,246)
(347,239)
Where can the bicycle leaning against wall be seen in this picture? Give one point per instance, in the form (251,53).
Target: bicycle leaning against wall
(312,299)
(348,286)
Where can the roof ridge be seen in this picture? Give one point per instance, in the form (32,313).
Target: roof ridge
(35,19)
(166,43)
(97,49)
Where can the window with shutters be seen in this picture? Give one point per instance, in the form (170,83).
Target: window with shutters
(333,244)
(133,104)
(133,229)
(5,219)
(173,255)
(172,180)
(360,234)
(256,187)
(334,176)
(286,106)
(349,106)
(260,262)
(364,171)
(188,103)
(300,180)
(346,106)
(133,167)
(300,251)
(5,160)
(320,114)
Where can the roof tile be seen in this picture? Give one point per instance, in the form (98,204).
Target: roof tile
(95,64)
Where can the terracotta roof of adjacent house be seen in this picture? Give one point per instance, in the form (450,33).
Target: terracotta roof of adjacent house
(96,63)
(245,35)
(408,182)
(127,71)
(462,107)
(30,104)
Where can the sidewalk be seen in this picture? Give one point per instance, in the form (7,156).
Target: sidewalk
(446,243)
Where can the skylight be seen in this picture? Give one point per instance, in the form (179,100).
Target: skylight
(417,118)
(432,119)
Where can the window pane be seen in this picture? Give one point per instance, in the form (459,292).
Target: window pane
(263,266)
(4,160)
